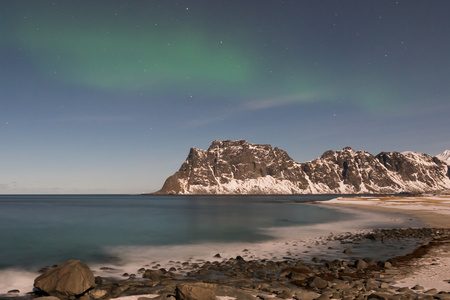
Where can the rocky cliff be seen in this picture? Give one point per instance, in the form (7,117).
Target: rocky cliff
(239,167)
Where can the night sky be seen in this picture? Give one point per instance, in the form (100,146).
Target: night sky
(108,96)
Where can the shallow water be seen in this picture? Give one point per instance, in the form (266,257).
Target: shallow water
(131,231)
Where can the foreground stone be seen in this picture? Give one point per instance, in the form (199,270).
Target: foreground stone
(195,291)
(70,279)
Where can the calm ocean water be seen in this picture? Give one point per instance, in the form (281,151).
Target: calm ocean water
(36,230)
(127,232)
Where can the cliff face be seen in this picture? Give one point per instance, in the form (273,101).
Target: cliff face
(239,167)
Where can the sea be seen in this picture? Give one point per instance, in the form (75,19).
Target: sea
(114,234)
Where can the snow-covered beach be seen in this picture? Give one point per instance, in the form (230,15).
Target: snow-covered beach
(433,270)
(432,210)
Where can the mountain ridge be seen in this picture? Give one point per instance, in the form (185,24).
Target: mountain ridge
(240,167)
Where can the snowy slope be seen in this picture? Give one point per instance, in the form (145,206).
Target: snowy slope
(445,157)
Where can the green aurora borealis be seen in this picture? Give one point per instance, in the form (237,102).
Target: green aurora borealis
(116,84)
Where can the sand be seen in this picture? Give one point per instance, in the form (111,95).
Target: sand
(432,270)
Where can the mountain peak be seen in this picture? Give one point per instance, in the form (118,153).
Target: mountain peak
(445,157)
(227,143)
(240,167)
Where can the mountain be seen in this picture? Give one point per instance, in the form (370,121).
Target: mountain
(445,157)
(239,167)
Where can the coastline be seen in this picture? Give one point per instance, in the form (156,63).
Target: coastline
(432,270)
(432,210)
(331,237)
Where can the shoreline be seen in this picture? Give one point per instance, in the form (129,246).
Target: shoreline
(432,270)
(286,251)
(432,210)
(290,278)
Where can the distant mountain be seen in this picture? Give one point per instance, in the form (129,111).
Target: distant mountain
(445,157)
(239,167)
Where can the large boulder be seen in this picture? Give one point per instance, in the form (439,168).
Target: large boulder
(69,279)
(195,291)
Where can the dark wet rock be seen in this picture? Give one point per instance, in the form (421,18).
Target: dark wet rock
(72,278)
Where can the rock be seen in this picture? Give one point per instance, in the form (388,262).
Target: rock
(360,264)
(154,275)
(84,297)
(48,298)
(372,284)
(384,285)
(322,297)
(347,251)
(418,287)
(98,280)
(286,294)
(306,295)
(195,291)
(13,292)
(217,255)
(379,296)
(318,282)
(295,275)
(431,292)
(72,278)
(98,293)
(116,291)
(403,290)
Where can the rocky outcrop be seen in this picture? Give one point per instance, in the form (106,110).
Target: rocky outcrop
(239,167)
(70,279)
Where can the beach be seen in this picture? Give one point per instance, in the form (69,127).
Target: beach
(432,210)
(289,267)
(433,270)
(426,275)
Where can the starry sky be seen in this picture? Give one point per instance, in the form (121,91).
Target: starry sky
(108,96)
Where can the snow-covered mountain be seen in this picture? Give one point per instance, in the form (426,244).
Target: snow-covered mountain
(239,167)
(445,157)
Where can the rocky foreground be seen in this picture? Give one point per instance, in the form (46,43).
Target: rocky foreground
(237,278)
